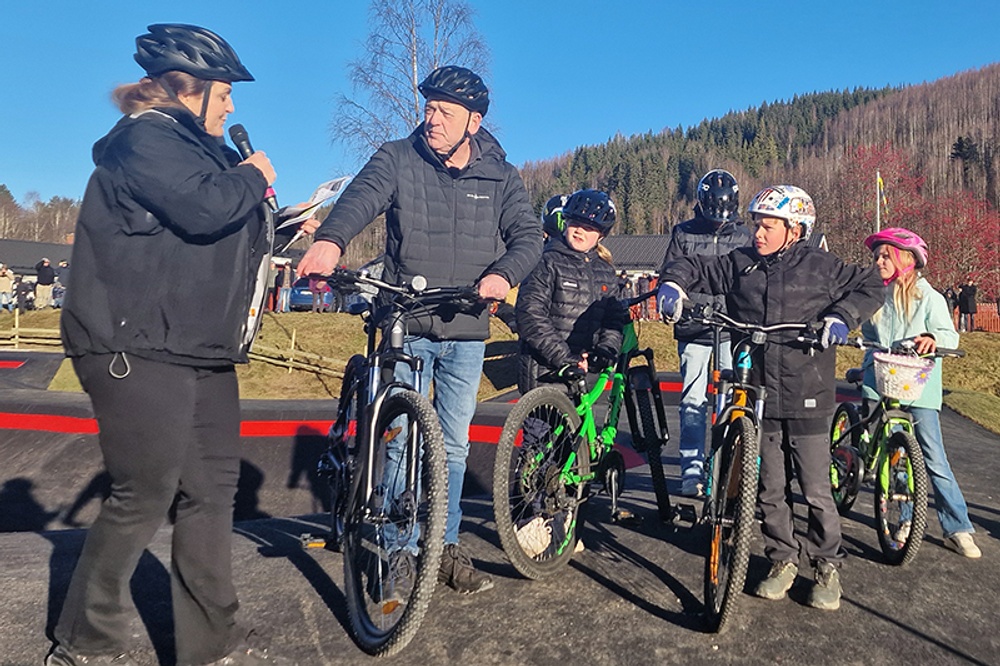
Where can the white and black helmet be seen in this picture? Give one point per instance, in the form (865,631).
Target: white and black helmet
(788,203)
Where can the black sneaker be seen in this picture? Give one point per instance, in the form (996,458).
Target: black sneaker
(458,573)
(60,656)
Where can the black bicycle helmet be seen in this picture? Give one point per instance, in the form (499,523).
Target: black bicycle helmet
(592,207)
(452,83)
(552,218)
(718,196)
(190,49)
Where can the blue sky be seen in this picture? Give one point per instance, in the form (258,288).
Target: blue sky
(563,73)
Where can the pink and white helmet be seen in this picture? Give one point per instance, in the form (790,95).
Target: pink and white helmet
(904,239)
(788,203)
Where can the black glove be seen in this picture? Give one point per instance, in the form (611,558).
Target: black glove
(601,359)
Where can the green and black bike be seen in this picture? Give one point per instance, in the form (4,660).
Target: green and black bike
(878,445)
(551,451)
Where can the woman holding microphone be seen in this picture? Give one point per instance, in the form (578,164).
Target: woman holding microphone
(169,269)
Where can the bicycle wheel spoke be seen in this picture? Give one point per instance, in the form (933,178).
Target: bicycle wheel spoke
(536,482)
(393,542)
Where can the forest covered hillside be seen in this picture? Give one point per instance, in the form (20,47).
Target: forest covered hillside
(934,145)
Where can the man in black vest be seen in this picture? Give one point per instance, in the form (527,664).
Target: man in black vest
(457,213)
(43,285)
(715,230)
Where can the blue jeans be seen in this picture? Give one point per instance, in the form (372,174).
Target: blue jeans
(696,370)
(952,511)
(455,366)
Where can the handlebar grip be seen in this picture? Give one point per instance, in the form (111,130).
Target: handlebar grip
(944,351)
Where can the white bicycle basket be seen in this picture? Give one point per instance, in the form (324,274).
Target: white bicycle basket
(901,377)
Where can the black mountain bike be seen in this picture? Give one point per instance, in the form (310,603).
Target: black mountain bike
(733,459)
(386,468)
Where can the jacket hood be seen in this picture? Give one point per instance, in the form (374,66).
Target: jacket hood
(181,116)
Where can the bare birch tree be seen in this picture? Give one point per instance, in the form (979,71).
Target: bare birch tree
(407,40)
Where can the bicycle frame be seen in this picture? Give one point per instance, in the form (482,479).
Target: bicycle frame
(599,442)
(379,364)
(876,428)
(734,396)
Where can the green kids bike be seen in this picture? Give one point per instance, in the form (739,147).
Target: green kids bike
(877,445)
(551,450)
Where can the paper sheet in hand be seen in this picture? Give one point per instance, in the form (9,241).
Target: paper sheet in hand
(323,193)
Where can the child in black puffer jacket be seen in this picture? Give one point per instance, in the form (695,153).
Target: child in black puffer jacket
(567,308)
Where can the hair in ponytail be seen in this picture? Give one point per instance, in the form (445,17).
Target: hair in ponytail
(149,93)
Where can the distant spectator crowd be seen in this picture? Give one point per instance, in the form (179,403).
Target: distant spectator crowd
(45,289)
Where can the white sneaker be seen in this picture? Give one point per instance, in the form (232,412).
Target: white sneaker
(903,533)
(534,537)
(963,544)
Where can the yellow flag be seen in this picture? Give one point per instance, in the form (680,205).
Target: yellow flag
(881,191)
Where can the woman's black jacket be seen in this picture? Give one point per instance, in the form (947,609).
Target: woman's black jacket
(169,245)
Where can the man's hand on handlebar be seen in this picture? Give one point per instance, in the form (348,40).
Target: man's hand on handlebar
(320,259)
(493,287)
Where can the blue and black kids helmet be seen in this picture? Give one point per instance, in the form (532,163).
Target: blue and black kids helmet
(591,207)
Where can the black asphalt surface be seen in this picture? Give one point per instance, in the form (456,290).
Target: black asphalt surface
(632,597)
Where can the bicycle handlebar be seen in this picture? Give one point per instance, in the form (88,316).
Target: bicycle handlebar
(636,300)
(416,291)
(907,347)
(707,315)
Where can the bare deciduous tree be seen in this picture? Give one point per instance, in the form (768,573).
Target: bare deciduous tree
(408,39)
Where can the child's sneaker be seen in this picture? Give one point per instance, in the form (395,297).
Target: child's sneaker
(825,594)
(534,537)
(779,580)
(963,544)
(903,533)
(60,656)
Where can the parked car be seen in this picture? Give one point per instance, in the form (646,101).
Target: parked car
(301,298)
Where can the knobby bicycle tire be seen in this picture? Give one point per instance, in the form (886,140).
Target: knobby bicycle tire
(654,449)
(845,431)
(385,616)
(352,391)
(537,515)
(900,466)
(731,517)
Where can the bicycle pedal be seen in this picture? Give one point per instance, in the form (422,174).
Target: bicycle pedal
(625,517)
(686,513)
(308,540)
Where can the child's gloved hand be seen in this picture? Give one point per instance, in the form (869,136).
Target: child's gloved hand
(669,301)
(835,332)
